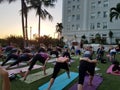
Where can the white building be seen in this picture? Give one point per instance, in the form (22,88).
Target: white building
(89,17)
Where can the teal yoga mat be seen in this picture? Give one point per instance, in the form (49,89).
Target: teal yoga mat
(60,82)
(36,76)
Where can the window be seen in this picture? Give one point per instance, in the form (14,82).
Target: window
(68,27)
(92,16)
(78,7)
(92,26)
(73,7)
(73,17)
(98,14)
(98,25)
(105,14)
(105,3)
(104,35)
(99,3)
(69,18)
(105,0)
(92,5)
(78,17)
(77,27)
(69,2)
(104,25)
(73,27)
(69,10)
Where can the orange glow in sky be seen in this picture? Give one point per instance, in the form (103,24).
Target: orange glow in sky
(10,20)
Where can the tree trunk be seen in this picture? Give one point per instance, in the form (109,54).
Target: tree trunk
(39,21)
(22,16)
(39,27)
(26,30)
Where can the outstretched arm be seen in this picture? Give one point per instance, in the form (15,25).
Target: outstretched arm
(88,60)
(5,79)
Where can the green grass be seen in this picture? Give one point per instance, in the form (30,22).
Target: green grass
(110,82)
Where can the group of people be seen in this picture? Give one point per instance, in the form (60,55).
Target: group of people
(86,64)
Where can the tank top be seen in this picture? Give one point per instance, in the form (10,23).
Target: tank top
(44,55)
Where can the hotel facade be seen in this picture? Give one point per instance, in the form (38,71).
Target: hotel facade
(89,18)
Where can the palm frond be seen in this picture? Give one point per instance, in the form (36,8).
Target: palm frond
(113,9)
(112,15)
(48,14)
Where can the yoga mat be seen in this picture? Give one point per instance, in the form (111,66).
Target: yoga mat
(96,82)
(97,69)
(36,76)
(109,71)
(10,61)
(15,66)
(23,69)
(60,82)
(52,60)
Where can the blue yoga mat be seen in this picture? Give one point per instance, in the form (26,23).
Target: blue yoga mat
(60,82)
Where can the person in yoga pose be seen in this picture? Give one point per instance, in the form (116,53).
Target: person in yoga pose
(86,65)
(54,52)
(25,56)
(61,63)
(4,79)
(13,55)
(42,57)
(116,67)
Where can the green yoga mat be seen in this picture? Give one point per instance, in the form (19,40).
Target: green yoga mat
(36,76)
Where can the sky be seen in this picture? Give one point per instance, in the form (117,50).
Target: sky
(10,20)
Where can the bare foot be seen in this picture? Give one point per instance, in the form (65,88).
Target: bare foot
(45,73)
(22,74)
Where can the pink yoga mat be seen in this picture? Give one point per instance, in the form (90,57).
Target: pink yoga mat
(15,71)
(109,71)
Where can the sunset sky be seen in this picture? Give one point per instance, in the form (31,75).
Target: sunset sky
(10,20)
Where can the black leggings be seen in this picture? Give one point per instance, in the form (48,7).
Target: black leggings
(14,56)
(34,60)
(85,66)
(57,68)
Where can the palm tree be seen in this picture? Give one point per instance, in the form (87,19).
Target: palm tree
(40,11)
(115,12)
(22,15)
(59,28)
(25,19)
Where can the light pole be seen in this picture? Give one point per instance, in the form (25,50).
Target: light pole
(30,32)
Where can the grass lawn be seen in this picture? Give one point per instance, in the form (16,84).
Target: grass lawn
(110,82)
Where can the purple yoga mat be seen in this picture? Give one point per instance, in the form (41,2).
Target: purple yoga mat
(23,69)
(96,82)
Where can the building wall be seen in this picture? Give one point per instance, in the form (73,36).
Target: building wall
(89,17)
